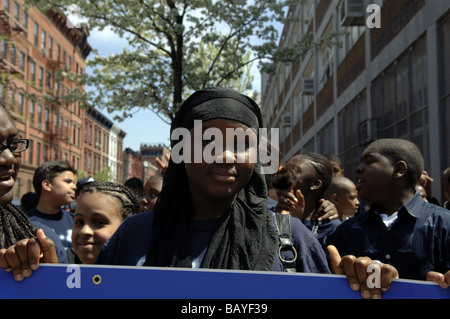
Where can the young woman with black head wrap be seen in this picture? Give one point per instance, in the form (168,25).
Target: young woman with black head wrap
(211,215)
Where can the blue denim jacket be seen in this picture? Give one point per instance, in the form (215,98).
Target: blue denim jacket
(419,241)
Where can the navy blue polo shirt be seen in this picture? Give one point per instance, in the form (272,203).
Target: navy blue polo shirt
(416,243)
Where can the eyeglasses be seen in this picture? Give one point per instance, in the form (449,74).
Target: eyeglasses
(15,146)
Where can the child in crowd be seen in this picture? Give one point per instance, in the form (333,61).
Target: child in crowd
(336,164)
(54,184)
(300,185)
(152,188)
(400,228)
(101,208)
(343,194)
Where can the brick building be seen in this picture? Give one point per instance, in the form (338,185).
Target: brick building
(132,164)
(103,142)
(149,152)
(36,50)
(391,81)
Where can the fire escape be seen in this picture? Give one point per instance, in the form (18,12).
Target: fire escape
(9,59)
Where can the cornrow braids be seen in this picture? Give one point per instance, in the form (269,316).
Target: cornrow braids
(323,168)
(14,226)
(130,203)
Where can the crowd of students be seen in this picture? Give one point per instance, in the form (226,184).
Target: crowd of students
(220,215)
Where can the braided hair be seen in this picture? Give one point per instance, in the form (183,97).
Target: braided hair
(14,226)
(322,167)
(128,200)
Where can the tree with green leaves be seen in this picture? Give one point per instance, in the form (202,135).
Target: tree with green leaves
(178,46)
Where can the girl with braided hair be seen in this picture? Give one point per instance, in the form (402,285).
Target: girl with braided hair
(101,208)
(300,186)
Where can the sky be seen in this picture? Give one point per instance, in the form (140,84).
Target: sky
(144,127)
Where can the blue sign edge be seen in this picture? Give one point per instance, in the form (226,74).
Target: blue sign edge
(66,281)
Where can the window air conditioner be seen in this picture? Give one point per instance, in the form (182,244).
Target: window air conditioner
(353,13)
(308,86)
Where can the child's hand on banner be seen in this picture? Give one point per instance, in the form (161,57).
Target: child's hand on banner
(24,256)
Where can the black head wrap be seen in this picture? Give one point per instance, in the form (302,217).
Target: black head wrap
(245,238)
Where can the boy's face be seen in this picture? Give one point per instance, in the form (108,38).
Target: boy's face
(347,203)
(374,176)
(62,188)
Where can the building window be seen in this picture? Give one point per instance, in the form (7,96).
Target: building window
(25,23)
(32,111)
(46,158)
(21,103)
(47,79)
(43,41)
(30,152)
(350,148)
(33,72)
(38,154)
(3,47)
(39,114)
(22,61)
(16,11)
(13,55)
(443,43)
(46,116)
(399,98)
(36,34)
(41,77)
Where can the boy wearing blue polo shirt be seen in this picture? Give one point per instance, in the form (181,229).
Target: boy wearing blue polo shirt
(400,228)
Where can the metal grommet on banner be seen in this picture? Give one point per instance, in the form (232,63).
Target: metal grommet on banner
(97,279)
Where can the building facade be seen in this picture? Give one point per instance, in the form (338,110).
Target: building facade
(367,83)
(116,155)
(132,164)
(149,152)
(36,50)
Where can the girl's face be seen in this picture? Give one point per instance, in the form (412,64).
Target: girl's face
(97,216)
(222,180)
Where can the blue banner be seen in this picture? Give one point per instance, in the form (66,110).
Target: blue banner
(85,281)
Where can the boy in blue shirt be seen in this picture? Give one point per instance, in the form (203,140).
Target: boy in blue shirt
(54,183)
(400,229)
